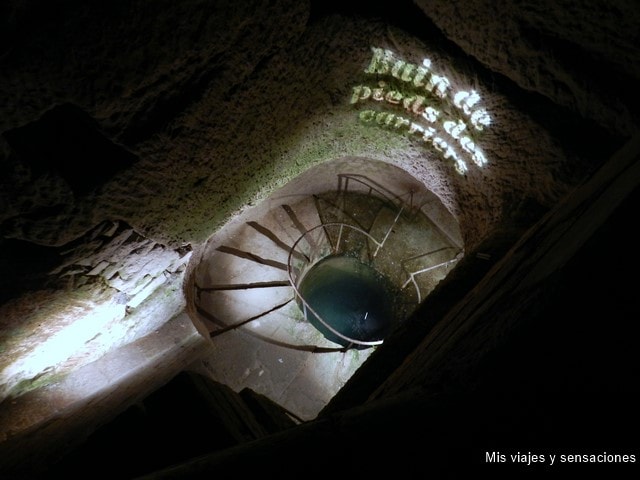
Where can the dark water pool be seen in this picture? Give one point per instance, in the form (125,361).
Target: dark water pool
(352,297)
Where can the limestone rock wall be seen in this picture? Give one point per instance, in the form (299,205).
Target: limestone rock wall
(582,55)
(107,289)
(134,69)
(219,115)
(162,121)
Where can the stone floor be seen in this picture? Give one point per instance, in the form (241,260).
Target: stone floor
(243,280)
(278,354)
(44,424)
(275,352)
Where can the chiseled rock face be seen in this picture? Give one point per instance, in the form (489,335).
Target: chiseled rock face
(91,301)
(133,69)
(580,54)
(208,107)
(135,65)
(173,117)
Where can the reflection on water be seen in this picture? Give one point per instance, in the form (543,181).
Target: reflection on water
(350,296)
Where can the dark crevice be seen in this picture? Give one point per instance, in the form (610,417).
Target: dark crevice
(297,223)
(274,238)
(35,214)
(272,341)
(245,286)
(250,256)
(167,107)
(227,328)
(66,141)
(25,267)
(599,74)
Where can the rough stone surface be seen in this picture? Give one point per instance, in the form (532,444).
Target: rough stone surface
(582,55)
(171,119)
(98,289)
(244,130)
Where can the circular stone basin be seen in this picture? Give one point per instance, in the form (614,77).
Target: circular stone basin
(350,296)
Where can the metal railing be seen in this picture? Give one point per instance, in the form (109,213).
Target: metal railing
(339,238)
(315,245)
